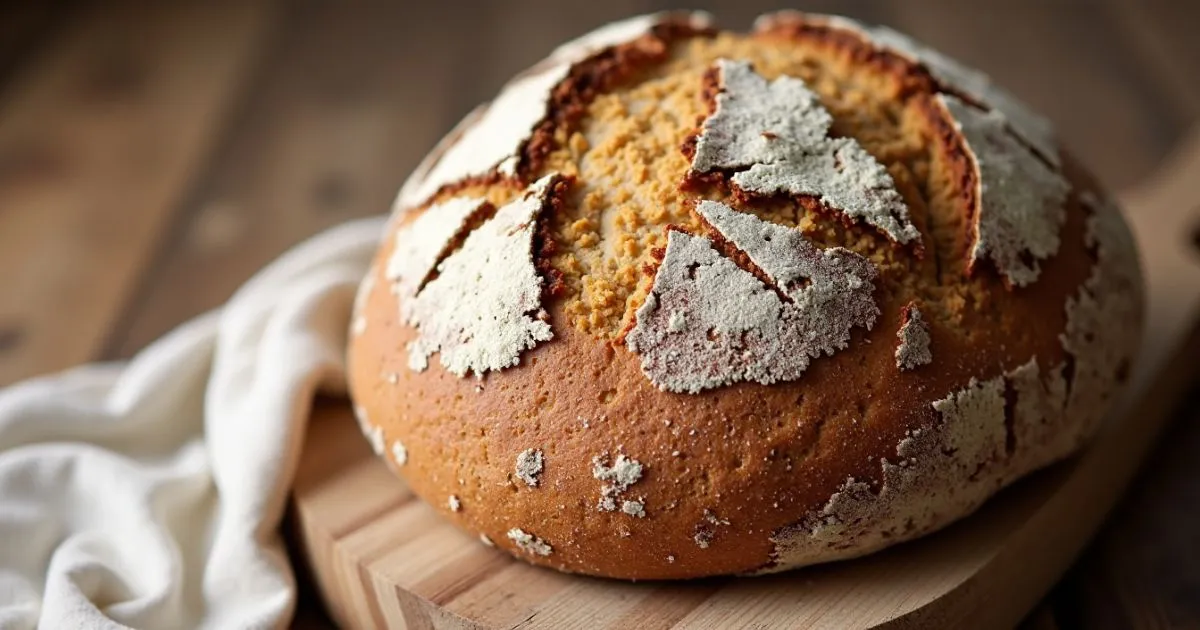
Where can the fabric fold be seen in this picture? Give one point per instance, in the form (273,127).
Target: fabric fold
(148,494)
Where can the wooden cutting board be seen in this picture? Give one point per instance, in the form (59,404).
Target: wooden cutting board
(382,558)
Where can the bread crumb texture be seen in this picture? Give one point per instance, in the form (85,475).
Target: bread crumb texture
(689,302)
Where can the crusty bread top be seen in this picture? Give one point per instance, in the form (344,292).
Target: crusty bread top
(684,302)
(491,140)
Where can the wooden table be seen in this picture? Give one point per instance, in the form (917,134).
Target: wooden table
(152,157)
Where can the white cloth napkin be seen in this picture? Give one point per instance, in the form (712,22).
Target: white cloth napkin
(149,494)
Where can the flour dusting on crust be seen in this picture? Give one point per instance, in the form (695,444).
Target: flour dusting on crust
(737,328)
(1036,130)
(408,198)
(776,136)
(529,466)
(1039,433)
(948,468)
(399,453)
(986,436)
(1021,201)
(1104,316)
(482,310)
(834,283)
(529,543)
(419,246)
(913,350)
(494,137)
(622,473)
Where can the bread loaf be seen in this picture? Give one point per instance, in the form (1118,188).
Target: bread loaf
(685,302)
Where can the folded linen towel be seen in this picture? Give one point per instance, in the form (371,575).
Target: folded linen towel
(148,494)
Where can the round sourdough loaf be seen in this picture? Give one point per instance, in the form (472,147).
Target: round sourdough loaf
(684,302)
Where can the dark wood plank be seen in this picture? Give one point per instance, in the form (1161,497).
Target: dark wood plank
(99,138)
(1067,61)
(347,102)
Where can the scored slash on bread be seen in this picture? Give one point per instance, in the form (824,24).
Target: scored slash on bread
(774,138)
(868,292)
(1020,199)
(953,77)
(492,138)
(484,306)
(708,323)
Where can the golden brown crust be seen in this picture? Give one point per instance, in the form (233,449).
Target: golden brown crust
(596,75)
(743,449)
(726,471)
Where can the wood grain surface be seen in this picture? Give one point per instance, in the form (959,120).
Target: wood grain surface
(153,155)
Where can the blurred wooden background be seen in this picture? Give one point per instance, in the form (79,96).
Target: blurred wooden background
(153,155)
